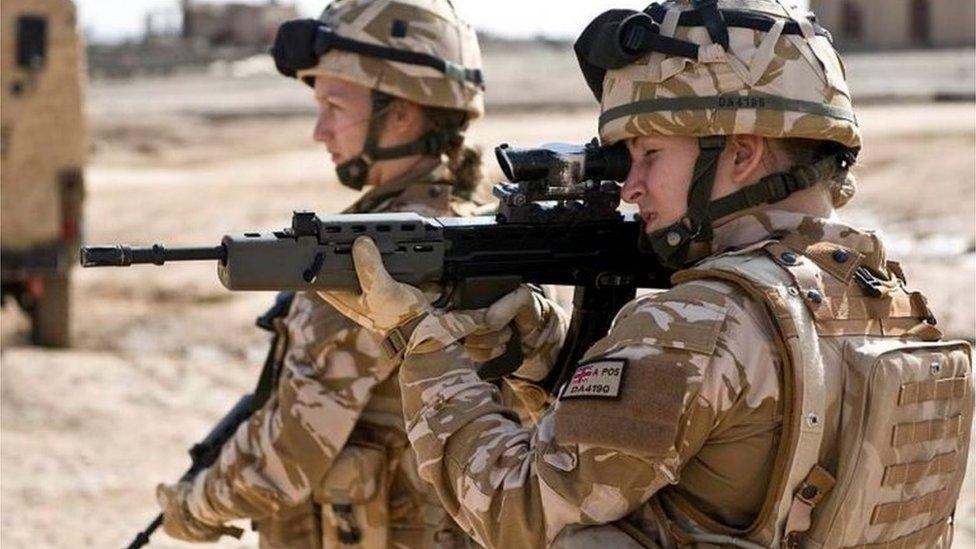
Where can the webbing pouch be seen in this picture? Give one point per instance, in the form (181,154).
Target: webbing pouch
(354,496)
(903,442)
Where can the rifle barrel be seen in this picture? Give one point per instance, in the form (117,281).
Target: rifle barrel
(123,256)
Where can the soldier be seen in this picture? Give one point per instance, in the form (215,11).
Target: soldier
(787,391)
(326,461)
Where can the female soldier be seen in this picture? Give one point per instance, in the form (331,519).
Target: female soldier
(787,391)
(326,460)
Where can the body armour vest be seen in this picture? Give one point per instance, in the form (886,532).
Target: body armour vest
(878,408)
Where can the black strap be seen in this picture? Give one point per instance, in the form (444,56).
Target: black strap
(326,39)
(432,142)
(778,186)
(671,244)
(714,21)
(734,19)
(699,218)
(639,34)
(352,173)
(268,379)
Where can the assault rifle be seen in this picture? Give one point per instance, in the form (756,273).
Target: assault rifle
(557,223)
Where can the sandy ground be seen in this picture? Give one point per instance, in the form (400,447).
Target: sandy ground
(162,352)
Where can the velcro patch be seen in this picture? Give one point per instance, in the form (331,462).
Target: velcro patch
(601,378)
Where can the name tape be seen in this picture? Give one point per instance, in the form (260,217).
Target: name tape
(597,379)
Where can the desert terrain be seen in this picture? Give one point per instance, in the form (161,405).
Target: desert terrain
(162,352)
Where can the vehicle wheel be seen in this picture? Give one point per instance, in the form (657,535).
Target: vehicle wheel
(50,314)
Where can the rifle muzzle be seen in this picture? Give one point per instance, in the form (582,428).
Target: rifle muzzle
(157,254)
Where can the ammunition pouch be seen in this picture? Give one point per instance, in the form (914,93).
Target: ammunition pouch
(354,498)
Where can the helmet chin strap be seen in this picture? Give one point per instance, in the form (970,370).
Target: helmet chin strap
(354,172)
(672,243)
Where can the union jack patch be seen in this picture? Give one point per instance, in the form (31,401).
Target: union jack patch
(601,378)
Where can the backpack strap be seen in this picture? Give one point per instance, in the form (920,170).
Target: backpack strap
(791,288)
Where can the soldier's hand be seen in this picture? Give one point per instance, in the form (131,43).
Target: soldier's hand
(385,306)
(541,323)
(179,522)
(487,343)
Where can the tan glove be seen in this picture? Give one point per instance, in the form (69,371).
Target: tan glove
(487,343)
(179,522)
(541,323)
(398,312)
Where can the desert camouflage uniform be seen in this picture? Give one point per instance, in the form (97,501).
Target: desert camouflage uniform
(328,456)
(693,429)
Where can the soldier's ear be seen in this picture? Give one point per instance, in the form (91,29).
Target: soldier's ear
(405,118)
(747,153)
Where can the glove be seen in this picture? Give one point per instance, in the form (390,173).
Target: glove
(398,312)
(541,323)
(383,304)
(486,344)
(179,522)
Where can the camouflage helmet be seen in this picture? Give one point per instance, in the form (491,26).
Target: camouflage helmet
(769,70)
(428,27)
(711,69)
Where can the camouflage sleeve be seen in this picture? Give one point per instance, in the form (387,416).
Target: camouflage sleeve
(277,457)
(641,403)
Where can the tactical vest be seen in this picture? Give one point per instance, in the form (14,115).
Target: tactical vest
(877,409)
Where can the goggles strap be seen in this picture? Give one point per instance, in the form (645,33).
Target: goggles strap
(326,39)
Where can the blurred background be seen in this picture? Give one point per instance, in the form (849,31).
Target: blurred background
(181,130)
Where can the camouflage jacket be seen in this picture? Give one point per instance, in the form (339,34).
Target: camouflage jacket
(680,402)
(326,459)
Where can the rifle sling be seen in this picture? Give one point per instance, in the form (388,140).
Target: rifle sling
(268,379)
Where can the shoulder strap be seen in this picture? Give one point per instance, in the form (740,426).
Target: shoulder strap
(788,287)
(270,321)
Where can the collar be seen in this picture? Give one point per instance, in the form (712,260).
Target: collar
(379,198)
(799,231)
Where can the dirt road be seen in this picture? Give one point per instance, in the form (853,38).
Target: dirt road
(162,353)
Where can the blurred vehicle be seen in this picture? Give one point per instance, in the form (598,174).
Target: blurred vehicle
(42,156)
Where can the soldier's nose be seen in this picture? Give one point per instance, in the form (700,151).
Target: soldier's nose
(632,191)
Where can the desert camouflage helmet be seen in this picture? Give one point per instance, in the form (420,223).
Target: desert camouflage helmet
(715,68)
(761,67)
(429,27)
